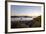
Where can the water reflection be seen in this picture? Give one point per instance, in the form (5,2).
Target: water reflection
(22,18)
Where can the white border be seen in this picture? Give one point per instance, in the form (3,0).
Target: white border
(24,29)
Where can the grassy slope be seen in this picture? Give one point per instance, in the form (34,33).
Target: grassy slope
(36,22)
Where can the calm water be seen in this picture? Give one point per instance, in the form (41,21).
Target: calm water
(21,19)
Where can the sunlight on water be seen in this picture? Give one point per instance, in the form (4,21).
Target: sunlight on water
(21,19)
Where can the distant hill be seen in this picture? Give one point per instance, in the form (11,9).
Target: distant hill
(21,16)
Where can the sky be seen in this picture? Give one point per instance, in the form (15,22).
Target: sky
(21,10)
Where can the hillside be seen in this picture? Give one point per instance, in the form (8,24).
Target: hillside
(36,22)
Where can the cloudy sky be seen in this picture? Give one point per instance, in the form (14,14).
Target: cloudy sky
(20,10)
